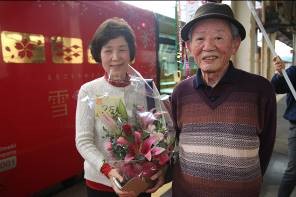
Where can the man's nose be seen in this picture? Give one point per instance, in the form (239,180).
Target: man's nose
(209,45)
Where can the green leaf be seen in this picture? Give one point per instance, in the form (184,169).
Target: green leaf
(122,110)
(145,135)
(130,139)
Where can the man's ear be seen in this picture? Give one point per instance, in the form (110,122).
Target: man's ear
(188,45)
(235,45)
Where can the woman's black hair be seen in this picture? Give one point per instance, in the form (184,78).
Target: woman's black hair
(108,30)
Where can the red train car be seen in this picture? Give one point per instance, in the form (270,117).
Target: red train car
(44,59)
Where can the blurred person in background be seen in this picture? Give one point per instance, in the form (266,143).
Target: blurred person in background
(288,181)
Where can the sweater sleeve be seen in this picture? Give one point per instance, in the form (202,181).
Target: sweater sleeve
(85,127)
(279,83)
(268,133)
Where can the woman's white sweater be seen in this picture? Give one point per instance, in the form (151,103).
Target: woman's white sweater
(89,129)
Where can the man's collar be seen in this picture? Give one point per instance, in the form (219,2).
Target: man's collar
(227,78)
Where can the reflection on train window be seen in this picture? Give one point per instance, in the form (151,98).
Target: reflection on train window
(22,47)
(167,58)
(169,73)
(66,50)
(90,58)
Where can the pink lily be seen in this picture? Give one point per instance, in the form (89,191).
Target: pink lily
(108,146)
(129,157)
(158,135)
(137,136)
(162,158)
(148,117)
(108,121)
(122,141)
(157,150)
(146,147)
(132,151)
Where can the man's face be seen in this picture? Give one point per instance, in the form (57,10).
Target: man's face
(212,45)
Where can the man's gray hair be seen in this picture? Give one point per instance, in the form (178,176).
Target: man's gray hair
(233,29)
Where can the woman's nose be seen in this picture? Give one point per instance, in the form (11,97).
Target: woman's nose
(115,55)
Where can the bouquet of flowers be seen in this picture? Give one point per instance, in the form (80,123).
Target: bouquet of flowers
(138,135)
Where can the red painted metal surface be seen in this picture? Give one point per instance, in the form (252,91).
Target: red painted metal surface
(37,148)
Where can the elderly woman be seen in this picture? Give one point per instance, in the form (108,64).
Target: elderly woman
(113,46)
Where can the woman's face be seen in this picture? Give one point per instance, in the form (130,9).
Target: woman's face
(115,57)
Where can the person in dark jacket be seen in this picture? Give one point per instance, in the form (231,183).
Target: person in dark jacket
(281,87)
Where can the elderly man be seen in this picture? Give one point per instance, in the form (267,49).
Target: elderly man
(225,117)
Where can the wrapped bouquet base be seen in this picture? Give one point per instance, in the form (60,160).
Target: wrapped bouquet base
(136,184)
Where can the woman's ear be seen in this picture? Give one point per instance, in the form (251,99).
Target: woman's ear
(132,61)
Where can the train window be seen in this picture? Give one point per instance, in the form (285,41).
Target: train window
(169,73)
(66,50)
(167,59)
(22,47)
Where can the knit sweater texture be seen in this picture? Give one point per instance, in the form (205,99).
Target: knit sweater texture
(225,144)
(89,128)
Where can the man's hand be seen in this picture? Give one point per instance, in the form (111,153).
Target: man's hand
(159,176)
(279,65)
